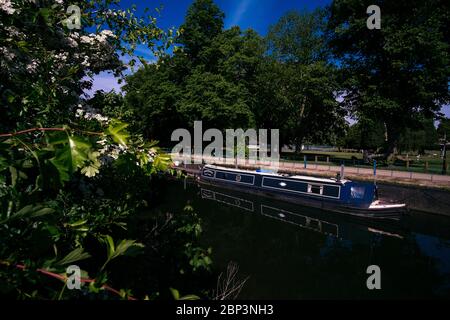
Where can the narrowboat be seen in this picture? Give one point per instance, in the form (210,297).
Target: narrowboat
(333,194)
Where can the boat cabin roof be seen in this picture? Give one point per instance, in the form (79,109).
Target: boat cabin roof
(299,177)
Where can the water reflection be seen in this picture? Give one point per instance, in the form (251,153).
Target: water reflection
(295,252)
(303,217)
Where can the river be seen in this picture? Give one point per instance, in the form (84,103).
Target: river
(294,252)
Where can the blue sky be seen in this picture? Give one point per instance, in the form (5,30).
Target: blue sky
(256,14)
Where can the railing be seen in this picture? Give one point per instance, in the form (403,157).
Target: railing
(351,167)
(427,165)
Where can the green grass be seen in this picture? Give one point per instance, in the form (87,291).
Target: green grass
(355,159)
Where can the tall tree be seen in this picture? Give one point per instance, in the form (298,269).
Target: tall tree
(399,73)
(212,79)
(217,102)
(297,37)
(204,21)
(303,82)
(152,93)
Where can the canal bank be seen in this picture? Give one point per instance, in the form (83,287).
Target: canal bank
(421,195)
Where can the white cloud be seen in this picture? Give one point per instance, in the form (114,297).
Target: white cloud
(239,12)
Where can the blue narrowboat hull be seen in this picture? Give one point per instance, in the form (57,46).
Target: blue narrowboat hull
(342,196)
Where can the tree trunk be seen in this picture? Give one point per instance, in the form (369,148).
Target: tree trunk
(298,146)
(365,156)
(393,135)
(298,131)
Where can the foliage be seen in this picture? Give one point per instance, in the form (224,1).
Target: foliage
(122,248)
(177,296)
(212,79)
(396,75)
(217,102)
(300,82)
(42,215)
(444,128)
(365,135)
(204,21)
(226,79)
(111,104)
(297,37)
(45,66)
(72,174)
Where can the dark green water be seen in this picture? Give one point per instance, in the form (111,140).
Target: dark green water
(294,252)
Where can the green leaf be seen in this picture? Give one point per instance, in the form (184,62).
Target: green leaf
(175,293)
(76,255)
(189,297)
(3,163)
(70,155)
(110,245)
(11,98)
(77,223)
(93,168)
(29,211)
(14,175)
(127,247)
(123,248)
(118,133)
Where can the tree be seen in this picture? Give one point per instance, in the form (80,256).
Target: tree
(203,22)
(46,66)
(214,100)
(80,179)
(300,84)
(444,128)
(365,135)
(424,136)
(297,37)
(212,79)
(111,104)
(396,75)
(154,97)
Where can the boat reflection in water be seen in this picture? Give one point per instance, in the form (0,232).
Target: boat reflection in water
(303,217)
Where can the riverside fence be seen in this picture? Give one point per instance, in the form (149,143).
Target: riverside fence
(327,167)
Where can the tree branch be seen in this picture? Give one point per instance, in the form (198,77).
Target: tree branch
(13,134)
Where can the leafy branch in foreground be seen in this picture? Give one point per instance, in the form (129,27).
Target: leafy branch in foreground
(41,217)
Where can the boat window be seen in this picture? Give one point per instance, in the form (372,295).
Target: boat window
(316,189)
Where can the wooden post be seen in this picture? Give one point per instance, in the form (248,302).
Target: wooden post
(444,155)
(426,166)
(328,159)
(407,163)
(315,159)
